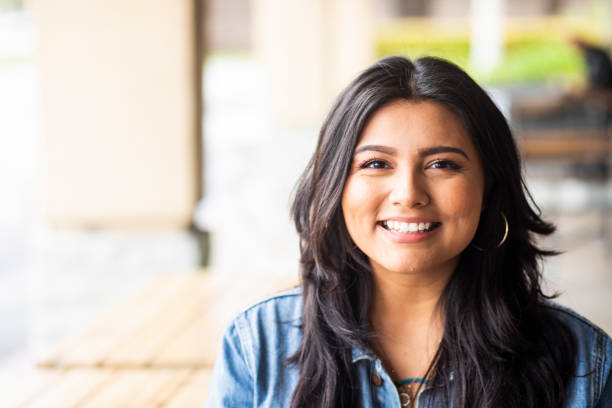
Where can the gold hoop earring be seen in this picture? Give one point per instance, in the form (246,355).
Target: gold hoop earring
(506,230)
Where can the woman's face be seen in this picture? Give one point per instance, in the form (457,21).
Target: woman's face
(414,195)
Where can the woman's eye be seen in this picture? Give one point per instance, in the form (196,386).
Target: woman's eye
(374,164)
(444,164)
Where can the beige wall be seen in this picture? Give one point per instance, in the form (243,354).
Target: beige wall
(118,111)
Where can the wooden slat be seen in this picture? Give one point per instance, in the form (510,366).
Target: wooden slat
(176,322)
(142,346)
(193,393)
(560,135)
(84,348)
(556,148)
(138,388)
(72,388)
(197,345)
(93,346)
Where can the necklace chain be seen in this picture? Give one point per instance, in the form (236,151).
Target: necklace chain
(406,394)
(406,390)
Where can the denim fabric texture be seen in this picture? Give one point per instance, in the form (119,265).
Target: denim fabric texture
(250,370)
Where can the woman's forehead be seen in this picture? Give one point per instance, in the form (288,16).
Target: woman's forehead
(405,123)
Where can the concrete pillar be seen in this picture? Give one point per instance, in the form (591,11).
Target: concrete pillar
(351,41)
(310,49)
(120,111)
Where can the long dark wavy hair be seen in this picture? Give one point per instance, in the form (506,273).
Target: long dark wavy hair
(503,345)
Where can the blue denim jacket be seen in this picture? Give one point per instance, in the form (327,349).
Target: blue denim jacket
(249,370)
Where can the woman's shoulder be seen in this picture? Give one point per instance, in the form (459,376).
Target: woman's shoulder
(286,305)
(271,321)
(593,360)
(581,327)
(250,367)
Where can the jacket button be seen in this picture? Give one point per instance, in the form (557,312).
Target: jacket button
(376,380)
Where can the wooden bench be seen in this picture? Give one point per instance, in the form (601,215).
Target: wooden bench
(559,143)
(156,349)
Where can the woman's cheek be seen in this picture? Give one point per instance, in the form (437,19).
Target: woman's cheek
(467,201)
(357,192)
(360,200)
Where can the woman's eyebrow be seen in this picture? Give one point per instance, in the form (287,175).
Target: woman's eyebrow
(442,149)
(423,152)
(376,148)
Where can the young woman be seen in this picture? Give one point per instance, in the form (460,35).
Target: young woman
(419,267)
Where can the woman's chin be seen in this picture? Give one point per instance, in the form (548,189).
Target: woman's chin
(414,267)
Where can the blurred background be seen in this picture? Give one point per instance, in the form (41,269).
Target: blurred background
(141,138)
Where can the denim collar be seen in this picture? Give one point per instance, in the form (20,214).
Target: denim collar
(359,354)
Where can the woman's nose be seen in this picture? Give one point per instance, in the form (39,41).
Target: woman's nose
(409,190)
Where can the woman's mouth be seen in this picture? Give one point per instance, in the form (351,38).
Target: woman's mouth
(409,227)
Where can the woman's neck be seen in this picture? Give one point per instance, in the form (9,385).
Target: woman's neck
(405,299)
(407,321)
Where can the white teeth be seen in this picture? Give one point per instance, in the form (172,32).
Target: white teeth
(407,227)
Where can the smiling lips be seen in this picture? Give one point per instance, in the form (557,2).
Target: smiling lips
(409,227)
(408,231)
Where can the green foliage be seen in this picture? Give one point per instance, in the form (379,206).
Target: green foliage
(538,60)
(532,54)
